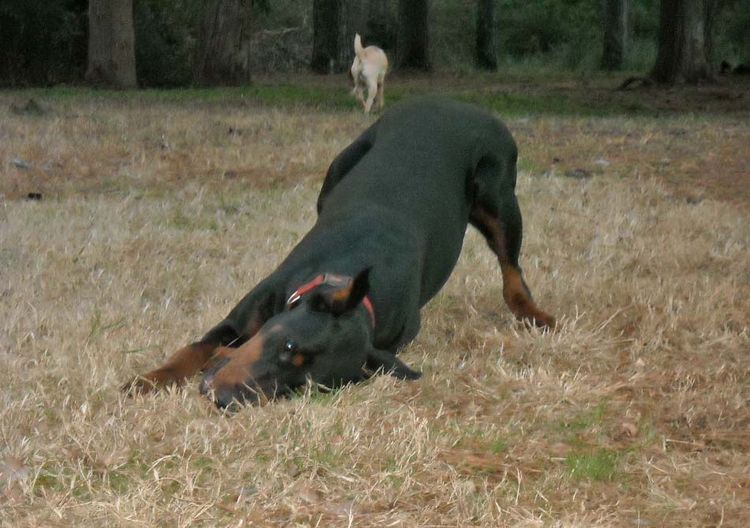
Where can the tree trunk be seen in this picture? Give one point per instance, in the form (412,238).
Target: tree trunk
(684,42)
(111,57)
(381,25)
(615,33)
(353,20)
(710,10)
(486,52)
(326,22)
(223,53)
(412,47)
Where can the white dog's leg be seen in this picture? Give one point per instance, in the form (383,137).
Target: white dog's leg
(372,90)
(380,95)
(359,94)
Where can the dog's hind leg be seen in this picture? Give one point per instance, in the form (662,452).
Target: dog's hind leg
(503,234)
(495,213)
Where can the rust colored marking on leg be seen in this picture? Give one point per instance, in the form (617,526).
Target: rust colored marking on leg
(183,364)
(519,300)
(515,292)
(489,226)
(224,352)
(220,353)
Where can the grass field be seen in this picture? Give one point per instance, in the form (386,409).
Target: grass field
(159,210)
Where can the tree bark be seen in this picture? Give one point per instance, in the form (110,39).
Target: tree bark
(326,25)
(111,50)
(223,52)
(615,33)
(413,44)
(353,20)
(381,25)
(486,49)
(684,42)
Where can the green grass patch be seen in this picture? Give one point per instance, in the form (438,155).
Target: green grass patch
(273,95)
(118,482)
(601,465)
(528,166)
(48,481)
(61,483)
(202,463)
(498,446)
(310,93)
(586,420)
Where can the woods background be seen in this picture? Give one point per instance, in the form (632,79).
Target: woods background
(224,42)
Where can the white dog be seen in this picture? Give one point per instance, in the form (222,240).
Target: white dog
(368,71)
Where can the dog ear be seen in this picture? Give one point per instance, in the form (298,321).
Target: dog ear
(358,289)
(382,359)
(345,298)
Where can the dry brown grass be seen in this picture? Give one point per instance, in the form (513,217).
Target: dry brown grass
(156,219)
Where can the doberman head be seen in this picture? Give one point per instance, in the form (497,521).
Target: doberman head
(323,337)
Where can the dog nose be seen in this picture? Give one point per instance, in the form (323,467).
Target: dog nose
(234,398)
(230,398)
(227,399)
(222,397)
(207,384)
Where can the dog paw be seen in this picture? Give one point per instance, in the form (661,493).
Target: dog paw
(138,385)
(541,320)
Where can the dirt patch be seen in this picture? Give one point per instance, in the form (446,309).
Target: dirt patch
(697,159)
(699,146)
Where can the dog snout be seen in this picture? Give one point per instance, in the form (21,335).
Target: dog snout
(232,399)
(207,384)
(229,396)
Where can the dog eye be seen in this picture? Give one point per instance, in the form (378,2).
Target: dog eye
(290,346)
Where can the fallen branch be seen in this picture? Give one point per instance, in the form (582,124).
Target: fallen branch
(642,81)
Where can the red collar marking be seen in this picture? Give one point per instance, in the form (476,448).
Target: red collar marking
(304,290)
(330,279)
(370,310)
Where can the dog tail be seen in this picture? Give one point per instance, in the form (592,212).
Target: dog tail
(358,49)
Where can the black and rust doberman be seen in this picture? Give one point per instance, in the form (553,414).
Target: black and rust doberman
(392,214)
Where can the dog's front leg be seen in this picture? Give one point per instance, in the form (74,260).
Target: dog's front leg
(241,324)
(359,93)
(388,362)
(372,90)
(380,97)
(185,363)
